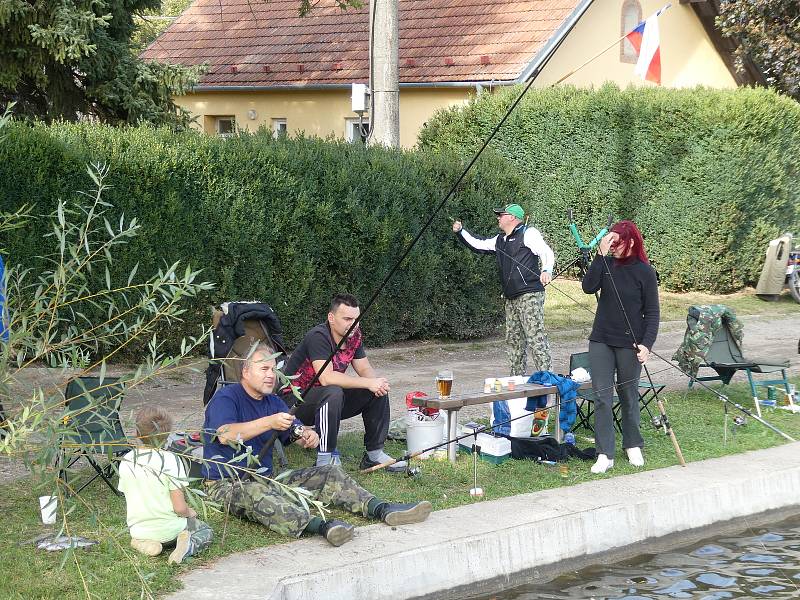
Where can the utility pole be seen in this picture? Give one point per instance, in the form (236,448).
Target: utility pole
(384,79)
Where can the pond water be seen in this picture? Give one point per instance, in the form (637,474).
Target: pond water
(758,562)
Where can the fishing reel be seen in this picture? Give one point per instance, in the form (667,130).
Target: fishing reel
(295,432)
(413,472)
(739,421)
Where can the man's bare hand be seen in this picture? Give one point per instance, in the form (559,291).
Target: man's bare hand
(457,226)
(309,439)
(545,278)
(280,421)
(379,386)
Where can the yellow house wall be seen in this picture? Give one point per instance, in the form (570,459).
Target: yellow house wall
(688,56)
(315,112)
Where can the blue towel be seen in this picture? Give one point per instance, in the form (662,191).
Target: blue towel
(567,389)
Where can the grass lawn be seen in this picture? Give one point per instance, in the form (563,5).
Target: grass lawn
(112,570)
(561,311)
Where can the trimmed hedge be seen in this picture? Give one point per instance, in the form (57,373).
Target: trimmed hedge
(710,176)
(289,221)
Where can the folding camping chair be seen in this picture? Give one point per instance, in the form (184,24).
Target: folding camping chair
(93,428)
(588,397)
(236,328)
(725,357)
(647,393)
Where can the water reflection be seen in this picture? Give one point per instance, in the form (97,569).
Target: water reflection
(762,562)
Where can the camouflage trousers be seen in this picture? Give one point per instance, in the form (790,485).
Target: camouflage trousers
(269,503)
(525,336)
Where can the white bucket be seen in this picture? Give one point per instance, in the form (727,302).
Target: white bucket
(48,506)
(423,434)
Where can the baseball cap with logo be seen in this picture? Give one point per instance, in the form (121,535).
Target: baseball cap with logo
(515,210)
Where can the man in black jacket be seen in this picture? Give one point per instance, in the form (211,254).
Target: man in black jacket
(525,265)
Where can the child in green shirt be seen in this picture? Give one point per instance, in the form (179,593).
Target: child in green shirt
(152,480)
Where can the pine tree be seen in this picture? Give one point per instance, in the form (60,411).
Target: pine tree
(71,59)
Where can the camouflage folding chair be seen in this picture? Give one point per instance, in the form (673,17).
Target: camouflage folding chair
(713,340)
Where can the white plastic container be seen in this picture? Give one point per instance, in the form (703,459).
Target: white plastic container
(48,505)
(423,434)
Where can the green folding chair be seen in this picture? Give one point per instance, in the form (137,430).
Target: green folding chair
(92,428)
(587,397)
(647,393)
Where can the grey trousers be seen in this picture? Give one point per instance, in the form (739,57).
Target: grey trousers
(604,362)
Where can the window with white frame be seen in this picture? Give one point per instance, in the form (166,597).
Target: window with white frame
(630,17)
(279,127)
(356,130)
(225,126)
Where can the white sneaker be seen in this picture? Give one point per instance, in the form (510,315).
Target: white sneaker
(602,464)
(635,456)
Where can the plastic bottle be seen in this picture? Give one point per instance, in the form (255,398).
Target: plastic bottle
(498,386)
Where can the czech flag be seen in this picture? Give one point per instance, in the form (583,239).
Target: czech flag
(645,40)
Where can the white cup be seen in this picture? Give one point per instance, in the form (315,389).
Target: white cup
(49,507)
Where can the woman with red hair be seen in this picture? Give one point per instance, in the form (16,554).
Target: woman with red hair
(625,329)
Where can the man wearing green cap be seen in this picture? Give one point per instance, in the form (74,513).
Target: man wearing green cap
(525,264)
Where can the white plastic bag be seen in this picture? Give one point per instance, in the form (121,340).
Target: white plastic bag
(504,410)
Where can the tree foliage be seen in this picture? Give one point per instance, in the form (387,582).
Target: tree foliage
(67,59)
(769,32)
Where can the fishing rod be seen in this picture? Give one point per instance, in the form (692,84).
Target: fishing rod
(485,428)
(532,77)
(661,409)
(725,399)
(293,409)
(407,456)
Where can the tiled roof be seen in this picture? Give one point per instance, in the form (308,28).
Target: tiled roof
(266,42)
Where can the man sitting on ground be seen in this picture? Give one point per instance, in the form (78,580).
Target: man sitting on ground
(336,395)
(245,415)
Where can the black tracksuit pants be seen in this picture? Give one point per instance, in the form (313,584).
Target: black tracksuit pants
(325,406)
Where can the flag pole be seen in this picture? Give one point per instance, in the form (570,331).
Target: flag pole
(604,50)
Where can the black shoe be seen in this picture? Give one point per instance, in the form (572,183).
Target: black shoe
(366,463)
(337,532)
(403,514)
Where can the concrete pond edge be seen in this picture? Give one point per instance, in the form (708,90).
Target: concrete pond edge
(488,545)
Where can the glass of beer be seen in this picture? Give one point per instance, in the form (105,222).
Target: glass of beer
(444,382)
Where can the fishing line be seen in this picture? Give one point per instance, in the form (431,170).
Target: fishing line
(725,399)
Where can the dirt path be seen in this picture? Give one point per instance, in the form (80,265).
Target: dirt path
(413,367)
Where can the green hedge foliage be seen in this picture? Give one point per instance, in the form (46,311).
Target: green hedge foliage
(710,176)
(287,221)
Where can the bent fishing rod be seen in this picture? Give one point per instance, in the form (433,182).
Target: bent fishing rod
(532,77)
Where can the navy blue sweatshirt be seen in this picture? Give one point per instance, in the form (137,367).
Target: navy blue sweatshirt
(638,289)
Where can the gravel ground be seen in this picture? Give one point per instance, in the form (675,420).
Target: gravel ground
(414,366)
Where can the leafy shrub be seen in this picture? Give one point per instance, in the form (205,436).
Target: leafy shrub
(289,221)
(710,176)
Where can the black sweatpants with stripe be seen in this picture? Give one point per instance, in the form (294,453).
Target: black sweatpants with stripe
(325,406)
